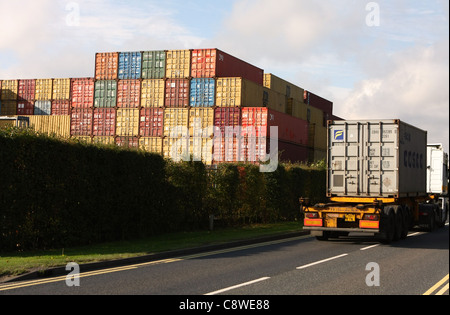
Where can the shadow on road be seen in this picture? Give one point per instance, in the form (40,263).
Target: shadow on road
(438,239)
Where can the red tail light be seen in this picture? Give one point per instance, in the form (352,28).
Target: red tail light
(370,217)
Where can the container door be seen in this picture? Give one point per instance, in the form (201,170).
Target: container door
(436,179)
(381,168)
(361,162)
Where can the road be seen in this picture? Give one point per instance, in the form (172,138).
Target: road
(356,265)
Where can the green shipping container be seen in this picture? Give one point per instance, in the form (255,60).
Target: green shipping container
(105,95)
(153,64)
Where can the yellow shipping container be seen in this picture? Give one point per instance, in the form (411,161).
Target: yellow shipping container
(201,122)
(194,148)
(15,121)
(274,100)
(83,139)
(105,140)
(176,121)
(320,154)
(9,90)
(176,149)
(318,128)
(284,87)
(153,93)
(8,108)
(201,149)
(7,123)
(151,144)
(307,112)
(238,92)
(320,138)
(178,64)
(44,89)
(61,89)
(127,122)
(51,125)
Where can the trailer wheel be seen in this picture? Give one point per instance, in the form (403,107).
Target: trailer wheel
(406,222)
(443,214)
(388,225)
(324,236)
(432,221)
(398,228)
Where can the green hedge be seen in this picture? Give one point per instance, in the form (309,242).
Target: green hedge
(58,193)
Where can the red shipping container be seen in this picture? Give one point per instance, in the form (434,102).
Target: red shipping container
(226,150)
(214,63)
(151,122)
(26,91)
(82,93)
(256,122)
(25,107)
(81,122)
(253,149)
(128,93)
(289,152)
(177,93)
(127,142)
(104,123)
(227,117)
(61,107)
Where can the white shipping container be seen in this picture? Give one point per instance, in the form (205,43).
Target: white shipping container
(380,158)
(42,108)
(437,170)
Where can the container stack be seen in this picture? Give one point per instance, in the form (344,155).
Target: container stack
(201,103)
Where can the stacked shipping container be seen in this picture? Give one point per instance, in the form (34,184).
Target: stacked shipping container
(153,99)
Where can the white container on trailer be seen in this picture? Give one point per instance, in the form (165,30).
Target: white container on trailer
(437,170)
(376,158)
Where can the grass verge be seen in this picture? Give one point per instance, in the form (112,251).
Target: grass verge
(14,264)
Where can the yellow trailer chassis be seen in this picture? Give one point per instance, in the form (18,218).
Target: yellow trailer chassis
(388,218)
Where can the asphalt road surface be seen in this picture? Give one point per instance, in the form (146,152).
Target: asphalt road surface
(356,265)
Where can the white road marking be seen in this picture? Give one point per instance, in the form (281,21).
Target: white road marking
(369,247)
(321,261)
(238,286)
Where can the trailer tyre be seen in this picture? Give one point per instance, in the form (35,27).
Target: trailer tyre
(432,221)
(324,236)
(388,225)
(406,222)
(398,228)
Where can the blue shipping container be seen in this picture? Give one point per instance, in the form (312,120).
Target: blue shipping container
(130,65)
(203,92)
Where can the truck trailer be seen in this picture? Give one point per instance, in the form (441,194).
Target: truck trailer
(437,178)
(376,182)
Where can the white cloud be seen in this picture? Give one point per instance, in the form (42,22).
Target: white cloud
(40,43)
(415,89)
(288,29)
(396,70)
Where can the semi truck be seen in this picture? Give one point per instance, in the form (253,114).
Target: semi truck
(381,179)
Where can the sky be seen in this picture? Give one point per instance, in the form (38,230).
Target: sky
(386,59)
